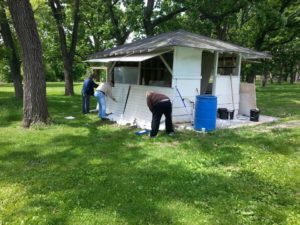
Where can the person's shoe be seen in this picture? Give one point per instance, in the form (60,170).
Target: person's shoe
(171,134)
(104,119)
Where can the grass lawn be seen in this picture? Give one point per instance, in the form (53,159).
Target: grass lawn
(85,171)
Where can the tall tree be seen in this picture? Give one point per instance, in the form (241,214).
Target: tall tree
(12,52)
(121,30)
(35,108)
(68,53)
(220,13)
(152,19)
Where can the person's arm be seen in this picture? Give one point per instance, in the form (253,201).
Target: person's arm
(109,93)
(94,85)
(149,103)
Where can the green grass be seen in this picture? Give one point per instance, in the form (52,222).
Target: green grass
(282,101)
(84,171)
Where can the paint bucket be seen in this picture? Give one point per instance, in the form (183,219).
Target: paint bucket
(254,115)
(223,113)
(230,114)
(205,113)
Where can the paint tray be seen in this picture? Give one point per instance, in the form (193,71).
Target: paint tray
(142,132)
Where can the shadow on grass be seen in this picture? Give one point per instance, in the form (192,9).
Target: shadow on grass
(10,109)
(110,173)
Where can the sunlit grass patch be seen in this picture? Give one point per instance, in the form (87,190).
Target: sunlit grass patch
(84,171)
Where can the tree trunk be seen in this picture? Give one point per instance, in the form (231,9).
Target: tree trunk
(35,108)
(69,90)
(265,74)
(150,23)
(67,54)
(121,32)
(271,77)
(279,81)
(250,78)
(292,74)
(13,57)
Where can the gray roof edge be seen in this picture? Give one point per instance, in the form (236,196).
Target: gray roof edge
(142,46)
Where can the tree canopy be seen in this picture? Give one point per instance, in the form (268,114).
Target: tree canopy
(72,29)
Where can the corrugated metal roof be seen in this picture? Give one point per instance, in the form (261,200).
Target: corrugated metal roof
(177,38)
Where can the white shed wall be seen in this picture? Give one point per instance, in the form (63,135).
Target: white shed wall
(120,92)
(136,109)
(187,71)
(224,93)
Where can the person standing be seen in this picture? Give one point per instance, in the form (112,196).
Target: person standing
(159,104)
(103,90)
(86,92)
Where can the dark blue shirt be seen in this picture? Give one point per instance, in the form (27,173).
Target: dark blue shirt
(88,86)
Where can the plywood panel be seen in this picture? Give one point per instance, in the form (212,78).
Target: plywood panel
(247,98)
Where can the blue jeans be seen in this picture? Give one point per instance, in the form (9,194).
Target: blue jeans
(102,104)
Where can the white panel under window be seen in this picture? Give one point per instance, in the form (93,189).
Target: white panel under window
(227,91)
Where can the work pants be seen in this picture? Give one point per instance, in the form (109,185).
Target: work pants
(100,96)
(85,103)
(161,108)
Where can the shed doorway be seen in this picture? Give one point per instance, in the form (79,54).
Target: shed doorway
(207,66)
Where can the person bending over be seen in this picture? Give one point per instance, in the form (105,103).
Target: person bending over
(103,90)
(159,104)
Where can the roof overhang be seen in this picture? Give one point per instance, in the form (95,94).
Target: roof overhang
(128,58)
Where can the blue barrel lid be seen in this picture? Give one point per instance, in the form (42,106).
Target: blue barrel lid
(206,96)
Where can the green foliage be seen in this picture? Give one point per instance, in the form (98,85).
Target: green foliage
(84,171)
(4,68)
(263,25)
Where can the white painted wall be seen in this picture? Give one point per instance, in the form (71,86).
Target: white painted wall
(136,109)
(187,71)
(224,93)
(120,92)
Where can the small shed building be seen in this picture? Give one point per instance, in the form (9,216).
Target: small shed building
(181,65)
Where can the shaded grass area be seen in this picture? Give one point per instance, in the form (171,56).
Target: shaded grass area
(85,171)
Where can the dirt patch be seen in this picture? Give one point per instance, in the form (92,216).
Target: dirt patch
(285,125)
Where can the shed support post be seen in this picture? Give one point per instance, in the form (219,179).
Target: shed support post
(215,72)
(166,64)
(139,73)
(239,64)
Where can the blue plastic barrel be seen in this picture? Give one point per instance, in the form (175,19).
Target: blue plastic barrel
(205,113)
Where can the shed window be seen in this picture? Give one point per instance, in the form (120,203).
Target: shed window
(227,64)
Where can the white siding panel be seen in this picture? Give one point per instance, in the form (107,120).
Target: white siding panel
(137,111)
(120,92)
(188,88)
(187,71)
(224,93)
(187,62)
